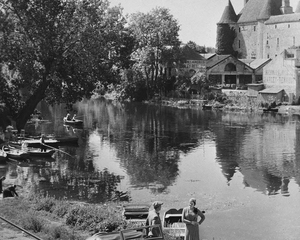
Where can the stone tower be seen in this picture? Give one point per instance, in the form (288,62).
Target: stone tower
(226,31)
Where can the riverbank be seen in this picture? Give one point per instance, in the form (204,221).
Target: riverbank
(49,218)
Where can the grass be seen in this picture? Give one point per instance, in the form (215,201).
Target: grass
(49,218)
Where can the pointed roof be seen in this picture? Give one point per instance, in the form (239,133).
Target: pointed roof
(256,10)
(229,15)
(191,54)
(298,8)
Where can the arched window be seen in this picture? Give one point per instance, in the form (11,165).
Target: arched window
(230,67)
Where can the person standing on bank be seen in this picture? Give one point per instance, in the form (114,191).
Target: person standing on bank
(154,219)
(190,216)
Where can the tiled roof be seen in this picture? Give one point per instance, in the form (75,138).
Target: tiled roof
(271,90)
(259,10)
(295,17)
(229,15)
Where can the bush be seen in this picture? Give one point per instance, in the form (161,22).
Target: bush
(31,222)
(92,218)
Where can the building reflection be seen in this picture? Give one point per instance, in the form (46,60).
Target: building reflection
(263,153)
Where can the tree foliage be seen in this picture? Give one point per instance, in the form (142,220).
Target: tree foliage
(156,35)
(58,50)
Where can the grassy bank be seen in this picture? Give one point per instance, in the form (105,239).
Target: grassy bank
(49,218)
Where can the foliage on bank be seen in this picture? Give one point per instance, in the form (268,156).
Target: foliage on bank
(50,218)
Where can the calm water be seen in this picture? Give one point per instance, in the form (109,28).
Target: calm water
(243,169)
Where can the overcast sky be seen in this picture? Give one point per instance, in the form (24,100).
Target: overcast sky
(197,18)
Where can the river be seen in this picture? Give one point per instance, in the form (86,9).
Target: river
(243,168)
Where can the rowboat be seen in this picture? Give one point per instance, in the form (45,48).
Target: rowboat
(2,157)
(172,222)
(75,122)
(15,153)
(270,110)
(136,213)
(35,152)
(207,107)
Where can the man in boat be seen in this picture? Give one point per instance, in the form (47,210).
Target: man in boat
(154,219)
(10,192)
(68,117)
(43,146)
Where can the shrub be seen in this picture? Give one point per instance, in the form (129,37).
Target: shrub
(92,218)
(31,222)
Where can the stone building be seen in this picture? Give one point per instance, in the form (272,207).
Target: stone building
(265,29)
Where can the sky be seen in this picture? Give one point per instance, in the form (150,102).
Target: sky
(197,18)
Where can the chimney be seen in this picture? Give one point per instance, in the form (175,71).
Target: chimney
(245,2)
(285,7)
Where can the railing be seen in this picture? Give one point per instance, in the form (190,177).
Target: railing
(29,233)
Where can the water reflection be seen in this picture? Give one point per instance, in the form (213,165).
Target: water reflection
(125,148)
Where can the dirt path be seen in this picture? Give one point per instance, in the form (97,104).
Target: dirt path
(7,233)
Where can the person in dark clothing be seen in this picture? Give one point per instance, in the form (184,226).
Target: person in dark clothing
(1,180)
(43,147)
(10,192)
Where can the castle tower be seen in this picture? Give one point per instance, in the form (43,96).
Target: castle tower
(226,30)
(285,7)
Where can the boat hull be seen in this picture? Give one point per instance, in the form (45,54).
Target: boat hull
(38,153)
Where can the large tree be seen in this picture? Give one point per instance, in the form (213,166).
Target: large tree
(157,40)
(58,50)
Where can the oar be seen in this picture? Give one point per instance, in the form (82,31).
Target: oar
(57,149)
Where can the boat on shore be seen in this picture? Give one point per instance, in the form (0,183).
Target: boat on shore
(172,222)
(136,213)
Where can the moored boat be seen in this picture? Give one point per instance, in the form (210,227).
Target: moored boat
(270,109)
(2,157)
(136,213)
(35,152)
(172,222)
(75,122)
(15,153)
(207,107)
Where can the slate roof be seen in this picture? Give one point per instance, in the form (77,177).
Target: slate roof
(295,17)
(215,60)
(229,15)
(255,63)
(271,90)
(190,54)
(256,10)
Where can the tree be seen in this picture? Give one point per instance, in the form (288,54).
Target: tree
(156,34)
(58,50)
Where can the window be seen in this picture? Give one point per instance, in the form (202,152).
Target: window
(294,41)
(230,67)
(254,28)
(277,42)
(239,43)
(289,25)
(275,26)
